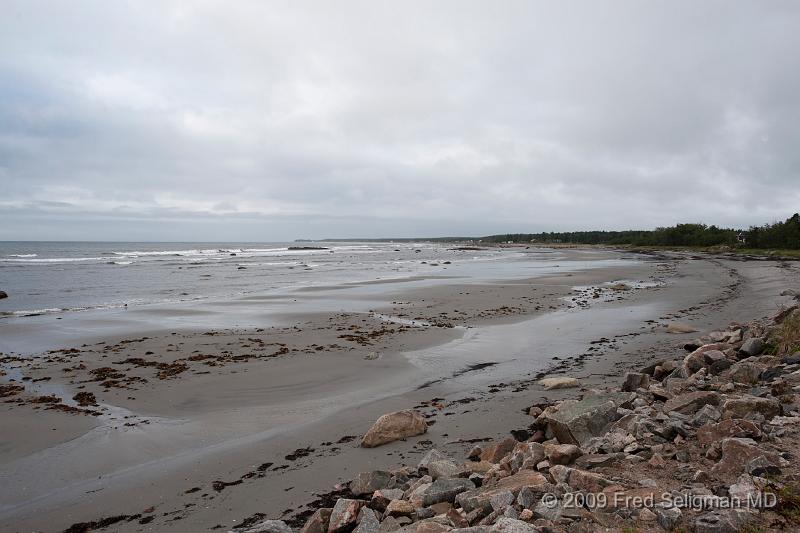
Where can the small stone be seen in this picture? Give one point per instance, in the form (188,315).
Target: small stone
(526,514)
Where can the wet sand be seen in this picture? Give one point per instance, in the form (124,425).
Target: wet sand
(194,429)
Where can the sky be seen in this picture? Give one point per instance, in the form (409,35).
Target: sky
(268,120)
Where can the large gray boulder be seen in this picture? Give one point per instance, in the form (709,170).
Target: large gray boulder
(575,422)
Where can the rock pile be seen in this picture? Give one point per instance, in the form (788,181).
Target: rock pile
(698,442)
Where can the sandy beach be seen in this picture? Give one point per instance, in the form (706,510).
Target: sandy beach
(201,428)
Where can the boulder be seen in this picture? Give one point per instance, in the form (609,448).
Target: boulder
(431,526)
(583,481)
(634,381)
(400,508)
(369,482)
(736,454)
(733,427)
(344,515)
(431,456)
(752,347)
(500,500)
(722,521)
(317,522)
(269,526)
(561,454)
(575,422)
(445,490)
(707,414)
(690,402)
(456,519)
(367,521)
(677,327)
(526,455)
(694,361)
(762,467)
(559,383)
(745,372)
(444,469)
(741,407)
(381,498)
(668,516)
(394,426)
(510,525)
(717,367)
(712,356)
(497,451)
(481,498)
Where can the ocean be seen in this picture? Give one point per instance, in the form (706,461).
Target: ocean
(59,277)
(63,292)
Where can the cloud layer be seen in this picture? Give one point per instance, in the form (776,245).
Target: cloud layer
(210,120)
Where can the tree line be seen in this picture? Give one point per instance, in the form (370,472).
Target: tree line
(784,235)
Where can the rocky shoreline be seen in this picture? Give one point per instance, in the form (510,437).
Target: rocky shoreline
(701,441)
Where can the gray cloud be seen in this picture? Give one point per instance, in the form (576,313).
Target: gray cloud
(201,120)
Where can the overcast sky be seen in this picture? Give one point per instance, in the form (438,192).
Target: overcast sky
(264,120)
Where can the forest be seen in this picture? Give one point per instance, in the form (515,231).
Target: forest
(777,235)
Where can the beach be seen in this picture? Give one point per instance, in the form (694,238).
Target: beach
(203,412)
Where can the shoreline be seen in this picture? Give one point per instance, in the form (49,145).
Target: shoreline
(350,418)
